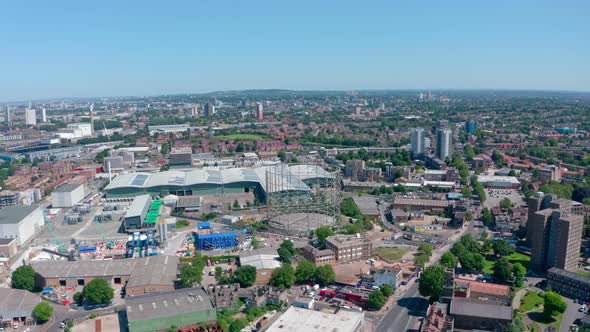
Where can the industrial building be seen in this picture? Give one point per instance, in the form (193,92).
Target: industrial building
(16,306)
(156,312)
(499,182)
(264,260)
(226,240)
(54,154)
(142,275)
(304,320)
(8,247)
(67,195)
(137,212)
(20,222)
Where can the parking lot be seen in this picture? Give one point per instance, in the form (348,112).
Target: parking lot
(494,196)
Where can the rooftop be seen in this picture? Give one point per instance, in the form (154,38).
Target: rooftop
(419,201)
(167,304)
(345,240)
(17,303)
(15,214)
(67,187)
(570,275)
(137,207)
(472,308)
(341,321)
(492,178)
(260,259)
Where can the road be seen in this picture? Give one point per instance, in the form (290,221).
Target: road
(407,309)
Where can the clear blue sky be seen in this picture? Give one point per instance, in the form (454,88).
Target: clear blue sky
(112,48)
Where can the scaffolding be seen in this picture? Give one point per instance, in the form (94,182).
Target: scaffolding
(300,198)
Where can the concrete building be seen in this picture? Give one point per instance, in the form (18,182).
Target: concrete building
(304,320)
(499,182)
(67,195)
(549,173)
(84,128)
(555,237)
(8,247)
(143,275)
(20,222)
(349,248)
(209,109)
(180,156)
(471,126)
(9,198)
(16,306)
(317,256)
(224,296)
(355,169)
(30,117)
(418,204)
(55,154)
(569,284)
(437,319)
(264,260)
(137,212)
(444,142)
(259,111)
(180,308)
(417,141)
(380,277)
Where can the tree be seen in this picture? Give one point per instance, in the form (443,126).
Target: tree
(305,271)
(324,275)
(245,275)
(519,272)
(43,311)
(448,260)
(502,248)
(98,291)
(484,236)
(238,324)
(425,248)
(79,298)
(284,255)
(376,300)
(323,233)
(283,277)
(486,217)
(236,204)
(503,269)
(432,282)
(286,251)
(553,304)
(471,261)
(24,278)
(505,203)
(218,273)
(190,275)
(421,260)
(387,290)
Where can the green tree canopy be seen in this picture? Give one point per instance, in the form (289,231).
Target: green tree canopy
(190,275)
(505,203)
(471,261)
(387,290)
(519,272)
(283,277)
(245,275)
(305,271)
(24,278)
(425,248)
(43,311)
(98,291)
(503,269)
(285,255)
(431,282)
(448,260)
(376,300)
(323,233)
(553,304)
(502,248)
(324,275)
(421,260)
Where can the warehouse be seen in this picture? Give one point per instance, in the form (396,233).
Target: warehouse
(499,182)
(67,195)
(154,312)
(264,260)
(17,306)
(200,182)
(143,275)
(20,222)
(342,321)
(136,213)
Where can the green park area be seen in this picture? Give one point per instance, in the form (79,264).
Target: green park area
(391,254)
(513,258)
(533,315)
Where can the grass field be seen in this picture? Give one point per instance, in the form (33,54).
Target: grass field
(488,264)
(241,137)
(391,254)
(530,301)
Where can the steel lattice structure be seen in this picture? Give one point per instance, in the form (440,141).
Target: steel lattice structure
(301,198)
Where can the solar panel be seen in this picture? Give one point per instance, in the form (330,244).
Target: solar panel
(139,180)
(176,180)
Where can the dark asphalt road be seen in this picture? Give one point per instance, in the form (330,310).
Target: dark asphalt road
(402,315)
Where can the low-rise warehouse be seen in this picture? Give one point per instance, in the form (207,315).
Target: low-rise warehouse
(67,195)
(304,320)
(20,222)
(143,275)
(17,305)
(264,260)
(418,204)
(155,312)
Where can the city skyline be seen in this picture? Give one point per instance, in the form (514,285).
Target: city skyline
(81,50)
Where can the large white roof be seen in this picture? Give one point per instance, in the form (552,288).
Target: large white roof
(288,178)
